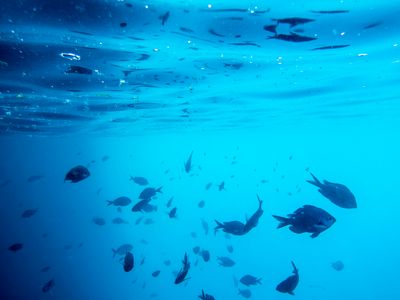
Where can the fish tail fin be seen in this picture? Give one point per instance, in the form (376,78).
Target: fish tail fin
(114,252)
(219,225)
(259,280)
(283,221)
(259,200)
(109,202)
(272,37)
(295,270)
(159,190)
(315,181)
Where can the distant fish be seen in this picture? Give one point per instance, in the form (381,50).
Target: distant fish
(249,280)
(172,213)
(229,248)
(294,21)
(77,174)
(290,283)
(120,201)
(16,247)
(330,11)
(188,163)
(119,220)
(141,205)
(129,262)
(123,24)
(139,180)
(293,37)
(196,250)
(208,185)
(329,47)
(181,276)
(156,273)
(70,56)
(232,227)
(205,296)
(49,285)
(204,224)
(164,18)
(105,158)
(169,203)
(187,30)
(225,261)
(338,265)
(34,178)
(29,213)
(167,262)
(205,254)
(148,221)
(99,221)
(201,204)
(221,186)
(149,192)
(372,25)
(246,293)
(79,70)
(244,44)
(213,32)
(143,56)
(337,193)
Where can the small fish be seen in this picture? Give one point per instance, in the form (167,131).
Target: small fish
(338,265)
(229,248)
(79,70)
(205,254)
(293,37)
(29,213)
(244,44)
(337,193)
(34,178)
(225,261)
(156,273)
(270,28)
(16,247)
(290,283)
(167,262)
(123,24)
(120,201)
(294,21)
(232,227)
(246,293)
(181,276)
(105,158)
(208,185)
(149,192)
(148,221)
(138,220)
(201,204)
(204,224)
(129,262)
(119,220)
(205,296)
(196,250)
(99,221)
(329,47)
(77,174)
(48,286)
(139,180)
(169,203)
(249,280)
(187,30)
(188,163)
(142,261)
(307,219)
(141,205)
(372,25)
(164,18)
(330,11)
(172,213)
(221,186)
(213,32)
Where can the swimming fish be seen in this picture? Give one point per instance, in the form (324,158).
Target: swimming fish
(292,37)
(253,221)
(290,283)
(188,163)
(337,193)
(172,213)
(181,276)
(294,21)
(139,180)
(129,262)
(164,18)
(232,227)
(249,280)
(149,192)
(225,261)
(338,265)
(205,254)
(48,286)
(120,201)
(77,174)
(29,213)
(16,247)
(307,219)
(246,293)
(123,249)
(205,296)
(79,70)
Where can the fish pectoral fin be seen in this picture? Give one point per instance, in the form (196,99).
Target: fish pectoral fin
(291,293)
(315,234)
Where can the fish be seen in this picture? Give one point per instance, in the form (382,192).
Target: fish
(105,158)
(29,213)
(293,37)
(34,178)
(253,221)
(221,186)
(167,262)
(188,163)
(337,193)
(156,273)
(196,250)
(338,265)
(139,180)
(142,261)
(149,192)
(330,47)
(270,28)
(141,205)
(79,70)
(246,293)
(99,221)
(120,201)
(169,203)
(293,21)
(229,248)
(129,262)
(208,185)
(172,213)
(372,25)
(48,286)
(123,24)
(225,261)
(245,44)
(205,254)
(185,29)
(148,221)
(232,227)
(249,280)
(330,11)
(201,204)
(307,219)
(119,220)
(164,18)
(213,32)
(181,276)
(205,296)
(16,247)
(290,283)
(204,224)
(77,174)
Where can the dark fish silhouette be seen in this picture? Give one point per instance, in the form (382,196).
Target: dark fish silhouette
(290,283)
(307,219)
(181,276)
(208,185)
(139,180)
(188,163)
(330,47)
(246,293)
(99,221)
(221,186)
(294,21)
(213,32)
(372,25)
(201,204)
(253,221)
(225,261)
(16,247)
(245,44)
(205,254)
(142,205)
(337,193)
(232,227)
(29,213)
(205,296)
(119,220)
(121,250)
(129,262)
(270,28)
(330,11)
(120,201)
(48,286)
(79,70)
(292,37)
(338,265)
(196,250)
(77,174)
(164,18)
(187,30)
(172,213)
(123,24)
(149,192)
(156,273)
(169,203)
(249,280)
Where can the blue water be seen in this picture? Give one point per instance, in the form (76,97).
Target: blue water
(107,85)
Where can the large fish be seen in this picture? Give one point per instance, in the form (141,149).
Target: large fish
(181,276)
(253,221)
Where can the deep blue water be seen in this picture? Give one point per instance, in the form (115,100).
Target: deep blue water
(262,92)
